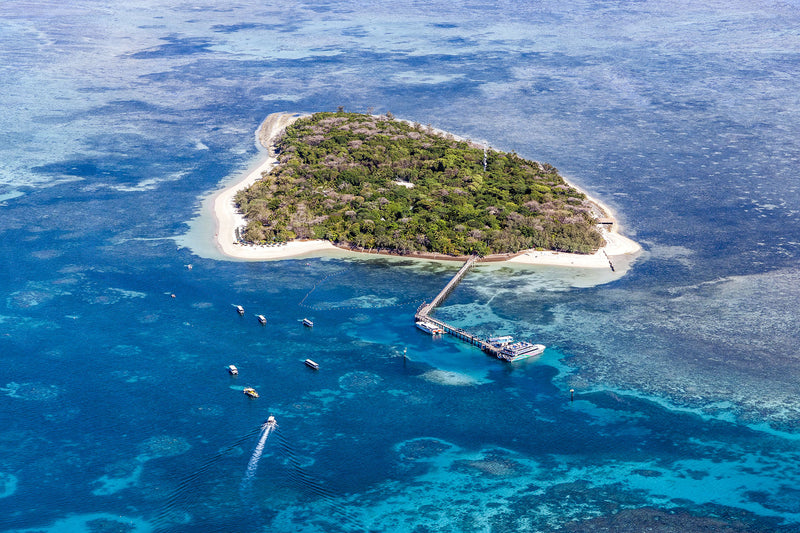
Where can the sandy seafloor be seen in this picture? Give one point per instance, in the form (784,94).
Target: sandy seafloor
(117,413)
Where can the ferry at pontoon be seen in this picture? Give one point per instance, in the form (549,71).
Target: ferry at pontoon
(429,327)
(251,392)
(499,342)
(520,350)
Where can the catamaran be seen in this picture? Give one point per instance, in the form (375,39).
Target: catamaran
(520,350)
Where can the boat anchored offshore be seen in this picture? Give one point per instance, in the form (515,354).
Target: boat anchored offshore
(519,351)
(311,364)
(232,370)
(308,323)
(239,309)
(429,327)
(261,319)
(251,392)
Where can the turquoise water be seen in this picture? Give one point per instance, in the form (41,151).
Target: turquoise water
(116,410)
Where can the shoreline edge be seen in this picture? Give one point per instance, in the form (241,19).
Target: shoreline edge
(619,251)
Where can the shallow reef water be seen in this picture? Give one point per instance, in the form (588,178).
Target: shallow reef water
(667,398)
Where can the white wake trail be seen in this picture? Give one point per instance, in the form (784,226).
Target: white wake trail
(252,466)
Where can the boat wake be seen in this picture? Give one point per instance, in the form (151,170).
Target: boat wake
(316,493)
(252,465)
(291,472)
(179,504)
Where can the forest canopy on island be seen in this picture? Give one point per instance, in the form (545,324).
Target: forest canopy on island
(374,182)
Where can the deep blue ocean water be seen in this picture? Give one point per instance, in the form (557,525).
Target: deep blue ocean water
(117,414)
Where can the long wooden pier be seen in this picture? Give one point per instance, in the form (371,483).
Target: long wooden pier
(424,310)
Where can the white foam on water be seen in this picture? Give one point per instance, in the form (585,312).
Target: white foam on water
(252,465)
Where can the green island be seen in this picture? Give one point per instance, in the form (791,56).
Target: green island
(373,182)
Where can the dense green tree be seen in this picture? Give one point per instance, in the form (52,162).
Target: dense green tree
(368,181)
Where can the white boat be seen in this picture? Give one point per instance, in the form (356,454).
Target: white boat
(429,327)
(262,319)
(311,364)
(308,323)
(499,342)
(239,309)
(232,370)
(520,350)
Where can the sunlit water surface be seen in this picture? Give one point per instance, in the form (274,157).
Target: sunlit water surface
(118,413)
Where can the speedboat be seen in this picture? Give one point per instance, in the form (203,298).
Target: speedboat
(232,370)
(251,392)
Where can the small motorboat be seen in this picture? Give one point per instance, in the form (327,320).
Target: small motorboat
(270,423)
(311,364)
(232,370)
(239,309)
(251,392)
(261,319)
(308,323)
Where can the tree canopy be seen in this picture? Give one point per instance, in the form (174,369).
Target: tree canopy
(375,182)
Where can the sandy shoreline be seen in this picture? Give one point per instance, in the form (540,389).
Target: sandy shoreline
(619,251)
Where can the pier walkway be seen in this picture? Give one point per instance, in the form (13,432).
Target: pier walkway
(424,310)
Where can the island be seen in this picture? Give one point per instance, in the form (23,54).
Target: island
(376,184)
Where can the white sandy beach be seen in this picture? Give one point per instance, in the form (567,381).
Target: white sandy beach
(228,217)
(619,250)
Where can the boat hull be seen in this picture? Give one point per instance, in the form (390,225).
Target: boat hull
(520,351)
(430,329)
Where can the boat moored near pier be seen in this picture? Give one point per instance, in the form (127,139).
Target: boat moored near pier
(499,342)
(429,327)
(519,351)
(503,347)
